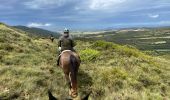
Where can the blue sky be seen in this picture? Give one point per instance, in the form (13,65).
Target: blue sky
(85,14)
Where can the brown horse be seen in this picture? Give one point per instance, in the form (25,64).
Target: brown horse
(70,62)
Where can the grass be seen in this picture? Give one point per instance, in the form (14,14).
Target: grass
(156,39)
(89,54)
(111,71)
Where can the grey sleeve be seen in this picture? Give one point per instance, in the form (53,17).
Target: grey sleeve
(59,42)
(73,44)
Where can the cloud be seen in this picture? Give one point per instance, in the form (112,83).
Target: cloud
(153,15)
(104,4)
(119,6)
(40,4)
(8,5)
(38,24)
(2,7)
(82,13)
(101,5)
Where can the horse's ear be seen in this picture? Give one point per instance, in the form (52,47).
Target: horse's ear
(87,96)
(50,95)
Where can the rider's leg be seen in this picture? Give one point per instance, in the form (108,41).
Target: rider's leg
(76,52)
(58,59)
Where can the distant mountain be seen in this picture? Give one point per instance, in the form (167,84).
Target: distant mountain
(37,31)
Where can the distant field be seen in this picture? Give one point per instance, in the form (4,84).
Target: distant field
(157,40)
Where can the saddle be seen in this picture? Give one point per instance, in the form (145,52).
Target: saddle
(63,52)
(58,60)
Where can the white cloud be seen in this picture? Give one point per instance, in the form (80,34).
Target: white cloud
(39,4)
(153,15)
(38,24)
(118,6)
(104,4)
(108,6)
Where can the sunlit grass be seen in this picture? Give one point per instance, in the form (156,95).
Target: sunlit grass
(111,71)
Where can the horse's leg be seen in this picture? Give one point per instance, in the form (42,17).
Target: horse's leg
(73,90)
(73,75)
(68,80)
(72,85)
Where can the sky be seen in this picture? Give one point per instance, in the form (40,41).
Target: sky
(85,14)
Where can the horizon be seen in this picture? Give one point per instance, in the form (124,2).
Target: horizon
(97,30)
(86,15)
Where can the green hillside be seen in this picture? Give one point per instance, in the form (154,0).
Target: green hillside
(37,31)
(111,71)
(152,39)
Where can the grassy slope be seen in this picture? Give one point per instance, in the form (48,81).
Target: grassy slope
(28,69)
(145,40)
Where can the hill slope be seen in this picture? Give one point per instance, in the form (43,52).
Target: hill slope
(28,69)
(37,31)
(155,39)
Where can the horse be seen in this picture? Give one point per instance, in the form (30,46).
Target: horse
(69,61)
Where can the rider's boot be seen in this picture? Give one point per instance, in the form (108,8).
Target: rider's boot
(58,61)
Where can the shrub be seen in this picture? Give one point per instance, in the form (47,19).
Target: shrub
(2,39)
(8,47)
(104,45)
(89,54)
(123,50)
(128,51)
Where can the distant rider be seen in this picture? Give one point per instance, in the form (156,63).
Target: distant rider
(51,38)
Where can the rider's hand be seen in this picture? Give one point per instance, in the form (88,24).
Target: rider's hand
(59,48)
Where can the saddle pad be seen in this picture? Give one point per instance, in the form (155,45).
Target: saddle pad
(63,52)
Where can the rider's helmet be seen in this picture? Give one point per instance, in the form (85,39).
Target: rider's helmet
(66,33)
(66,30)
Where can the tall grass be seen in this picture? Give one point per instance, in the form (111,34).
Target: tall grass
(112,72)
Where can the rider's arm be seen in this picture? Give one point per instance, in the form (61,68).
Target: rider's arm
(59,42)
(73,44)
